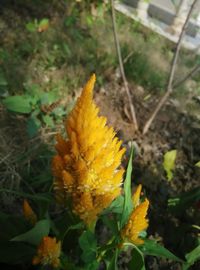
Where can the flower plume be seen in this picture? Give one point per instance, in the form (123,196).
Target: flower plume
(86,168)
(48,252)
(28,212)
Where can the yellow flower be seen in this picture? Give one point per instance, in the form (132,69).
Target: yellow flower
(136,196)
(86,168)
(28,212)
(137,221)
(48,252)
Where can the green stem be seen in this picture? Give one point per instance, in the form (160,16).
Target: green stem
(109,245)
(134,246)
(92,226)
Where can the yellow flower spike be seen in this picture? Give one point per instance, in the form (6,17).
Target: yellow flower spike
(28,212)
(48,252)
(57,170)
(136,224)
(62,146)
(136,196)
(68,180)
(88,169)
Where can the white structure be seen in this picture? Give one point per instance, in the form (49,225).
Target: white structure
(181,15)
(165,17)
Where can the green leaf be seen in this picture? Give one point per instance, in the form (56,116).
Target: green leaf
(113,262)
(128,205)
(88,244)
(48,98)
(35,235)
(111,223)
(137,260)
(185,200)
(33,90)
(15,253)
(3,81)
(193,256)
(151,247)
(43,25)
(31,27)
(197,164)
(92,266)
(59,112)
(19,104)
(77,226)
(48,120)
(116,206)
(169,163)
(33,125)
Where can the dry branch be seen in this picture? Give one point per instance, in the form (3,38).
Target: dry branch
(172,72)
(191,73)
(132,109)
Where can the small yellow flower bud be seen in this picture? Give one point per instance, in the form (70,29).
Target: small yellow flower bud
(48,252)
(137,221)
(28,212)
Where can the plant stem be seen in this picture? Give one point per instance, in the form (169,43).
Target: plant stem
(187,76)
(121,66)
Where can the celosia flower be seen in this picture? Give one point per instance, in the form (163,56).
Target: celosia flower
(137,221)
(86,166)
(48,252)
(28,212)
(136,196)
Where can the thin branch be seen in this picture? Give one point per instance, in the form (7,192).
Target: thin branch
(127,57)
(191,73)
(132,109)
(172,72)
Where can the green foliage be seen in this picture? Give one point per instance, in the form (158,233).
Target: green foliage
(3,84)
(31,26)
(137,260)
(197,164)
(193,256)
(112,264)
(128,206)
(88,244)
(35,235)
(19,104)
(116,206)
(151,247)
(33,125)
(40,107)
(36,25)
(169,163)
(182,202)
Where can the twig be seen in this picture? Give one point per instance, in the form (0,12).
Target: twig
(122,67)
(187,76)
(172,72)
(127,57)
